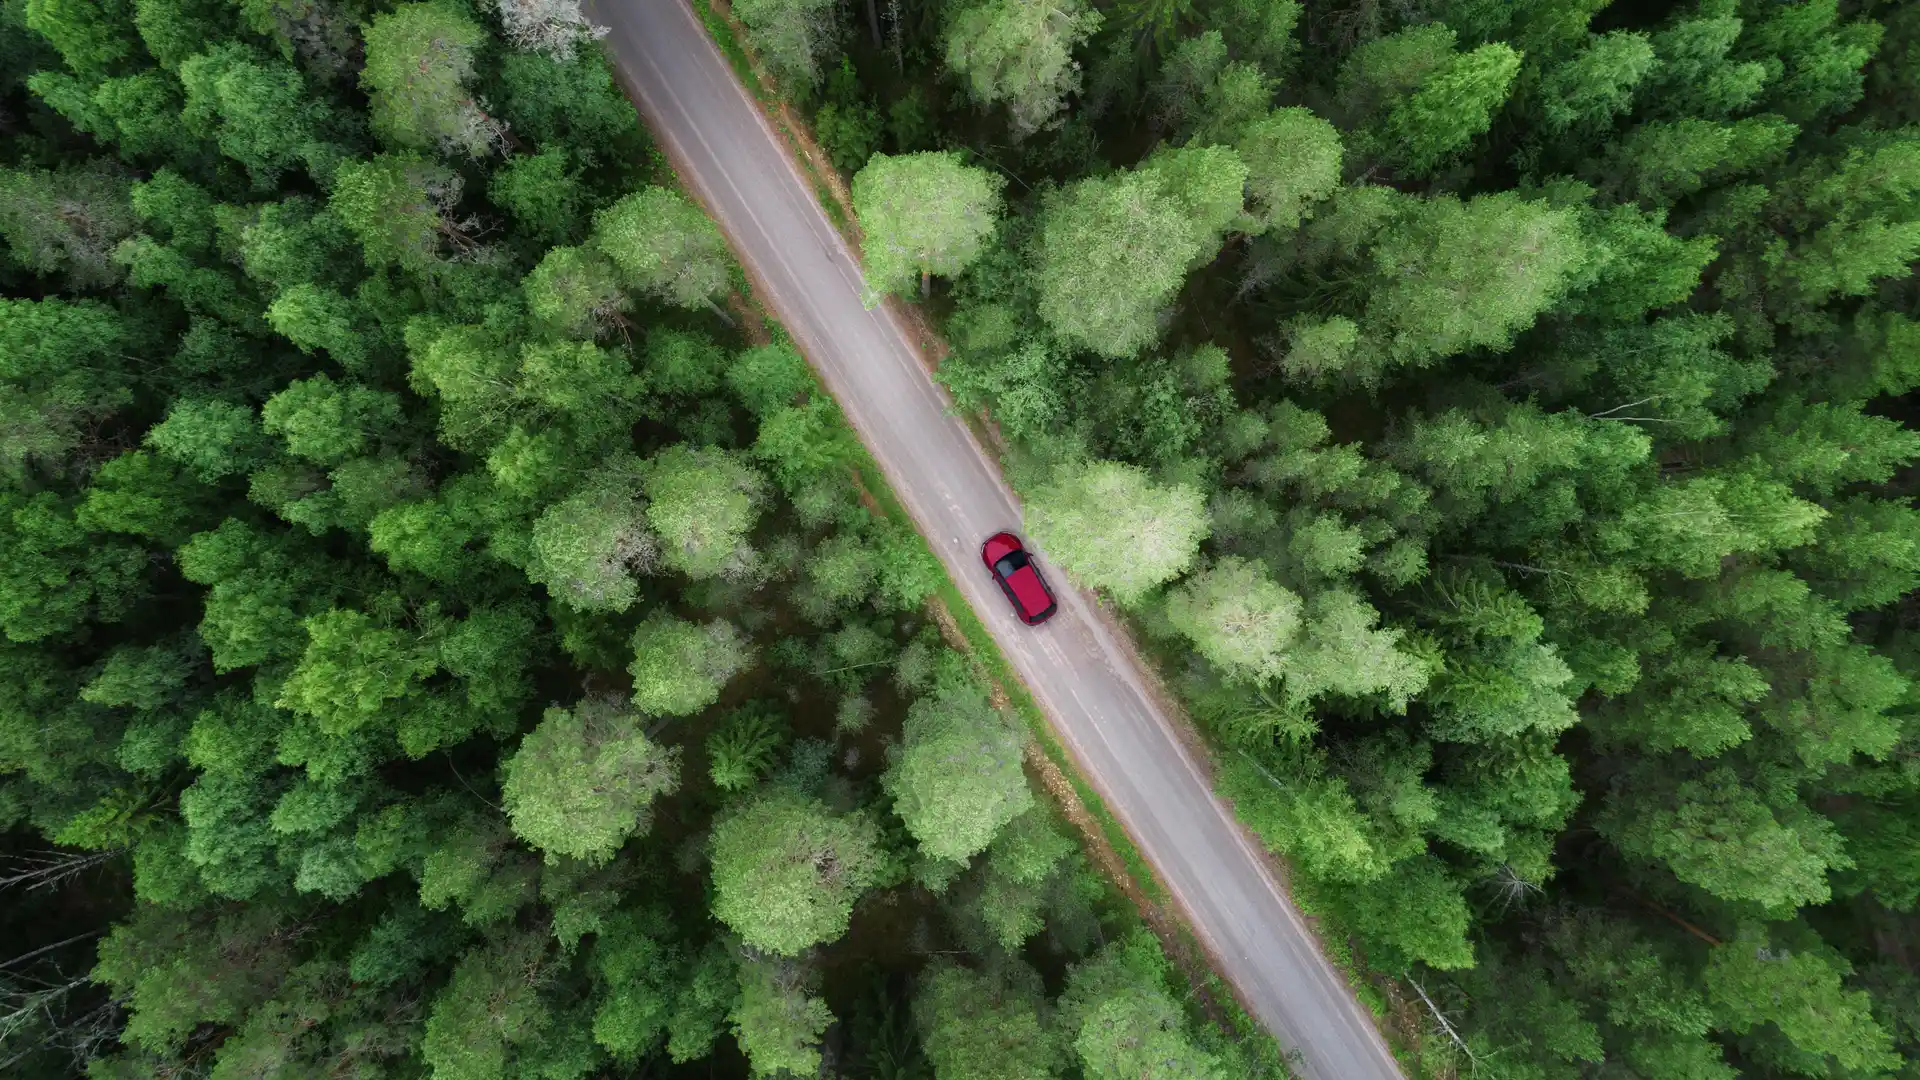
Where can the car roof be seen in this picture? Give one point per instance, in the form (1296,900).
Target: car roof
(1028,590)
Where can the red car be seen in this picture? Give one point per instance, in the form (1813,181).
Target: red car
(1013,568)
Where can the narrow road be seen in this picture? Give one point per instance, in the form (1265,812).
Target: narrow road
(1080,676)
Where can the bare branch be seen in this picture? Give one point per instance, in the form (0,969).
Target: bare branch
(1617,408)
(49,869)
(24,957)
(1440,1018)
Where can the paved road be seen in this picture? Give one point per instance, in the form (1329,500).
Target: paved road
(1077,672)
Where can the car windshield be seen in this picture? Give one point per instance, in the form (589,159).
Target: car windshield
(1009,563)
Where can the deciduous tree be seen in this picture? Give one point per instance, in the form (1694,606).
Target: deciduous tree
(420,62)
(702,503)
(1113,528)
(1455,275)
(792,35)
(787,870)
(1019,54)
(679,667)
(923,214)
(664,245)
(957,780)
(982,1026)
(778,1020)
(584,780)
(1293,161)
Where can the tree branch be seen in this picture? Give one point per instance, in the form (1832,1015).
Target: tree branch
(1445,1026)
(24,957)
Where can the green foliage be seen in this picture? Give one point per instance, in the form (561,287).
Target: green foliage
(61,366)
(351,669)
(1312,821)
(1748,983)
(1589,90)
(574,292)
(572,101)
(1559,643)
(1660,162)
(977,1026)
(1381,71)
(1019,55)
(542,192)
(1456,275)
(315,318)
(582,782)
(257,111)
(1718,833)
(1113,528)
(957,781)
(1415,915)
(777,1022)
(486,1011)
(587,548)
(1122,1022)
(395,205)
(923,214)
(665,246)
(701,504)
(683,364)
(1023,864)
(847,124)
(66,221)
(792,36)
(1261,32)
(1237,618)
(90,37)
(173,30)
(1452,105)
(420,60)
(787,870)
(1293,160)
(769,378)
(1112,251)
(679,667)
(741,751)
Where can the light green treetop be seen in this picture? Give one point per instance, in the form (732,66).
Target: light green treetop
(1237,618)
(1113,250)
(787,870)
(420,62)
(1111,526)
(702,503)
(1750,981)
(1019,53)
(664,245)
(679,667)
(1455,275)
(582,781)
(778,1019)
(956,780)
(923,214)
(1293,161)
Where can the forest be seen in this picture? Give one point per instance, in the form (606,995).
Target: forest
(444,630)
(1492,417)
